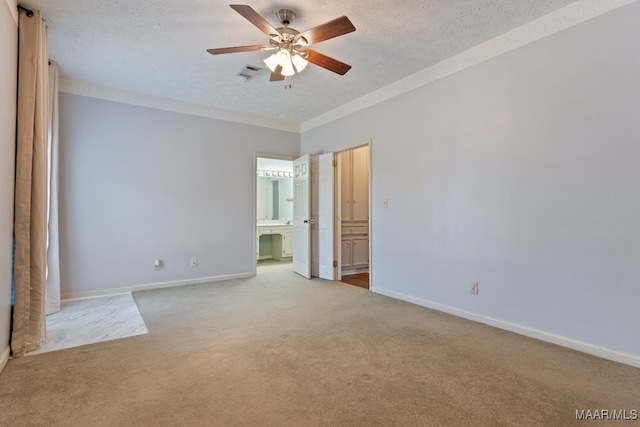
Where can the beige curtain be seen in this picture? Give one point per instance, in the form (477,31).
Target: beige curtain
(28,328)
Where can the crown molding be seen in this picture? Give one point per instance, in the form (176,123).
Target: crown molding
(561,19)
(76,87)
(13,8)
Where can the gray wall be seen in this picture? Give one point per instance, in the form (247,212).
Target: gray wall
(138,184)
(8,87)
(521,173)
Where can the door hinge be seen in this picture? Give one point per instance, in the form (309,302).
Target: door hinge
(334,163)
(335,263)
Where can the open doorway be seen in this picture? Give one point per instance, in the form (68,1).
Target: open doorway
(350,207)
(273,207)
(352,216)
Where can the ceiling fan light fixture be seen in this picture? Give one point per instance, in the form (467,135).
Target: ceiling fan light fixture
(284,57)
(299,62)
(287,69)
(272,62)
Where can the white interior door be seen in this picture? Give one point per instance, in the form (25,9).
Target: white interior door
(325,216)
(315,267)
(301,208)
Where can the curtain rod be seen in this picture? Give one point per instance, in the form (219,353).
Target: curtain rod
(29,12)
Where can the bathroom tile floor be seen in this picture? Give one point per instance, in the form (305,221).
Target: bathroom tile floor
(91,320)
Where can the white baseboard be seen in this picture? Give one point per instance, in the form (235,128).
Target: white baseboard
(605,353)
(160,285)
(4,357)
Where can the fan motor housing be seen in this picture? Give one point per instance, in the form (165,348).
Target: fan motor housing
(286,16)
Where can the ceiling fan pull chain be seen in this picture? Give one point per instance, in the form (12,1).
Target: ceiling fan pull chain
(287,82)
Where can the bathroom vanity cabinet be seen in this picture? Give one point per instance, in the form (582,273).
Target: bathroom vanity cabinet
(281,239)
(355,247)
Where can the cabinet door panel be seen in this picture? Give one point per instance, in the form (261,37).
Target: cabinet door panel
(344,159)
(360,250)
(346,253)
(360,185)
(287,244)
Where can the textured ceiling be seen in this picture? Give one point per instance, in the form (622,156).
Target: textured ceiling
(158,47)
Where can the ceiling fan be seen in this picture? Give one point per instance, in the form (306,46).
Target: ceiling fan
(290,45)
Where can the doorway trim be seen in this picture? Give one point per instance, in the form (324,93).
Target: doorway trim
(254,214)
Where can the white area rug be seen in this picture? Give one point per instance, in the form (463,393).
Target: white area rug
(92,320)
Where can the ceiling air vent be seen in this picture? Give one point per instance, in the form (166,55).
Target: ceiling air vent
(249,71)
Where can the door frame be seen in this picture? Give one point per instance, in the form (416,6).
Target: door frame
(254,186)
(337,234)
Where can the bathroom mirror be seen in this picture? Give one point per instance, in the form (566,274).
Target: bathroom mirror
(274,199)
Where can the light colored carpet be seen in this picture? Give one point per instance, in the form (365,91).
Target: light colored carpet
(278,350)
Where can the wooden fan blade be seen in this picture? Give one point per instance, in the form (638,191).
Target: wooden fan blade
(235,49)
(277,76)
(329,63)
(326,31)
(255,18)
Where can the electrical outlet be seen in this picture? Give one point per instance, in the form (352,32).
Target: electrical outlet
(157,264)
(473,288)
(194,262)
